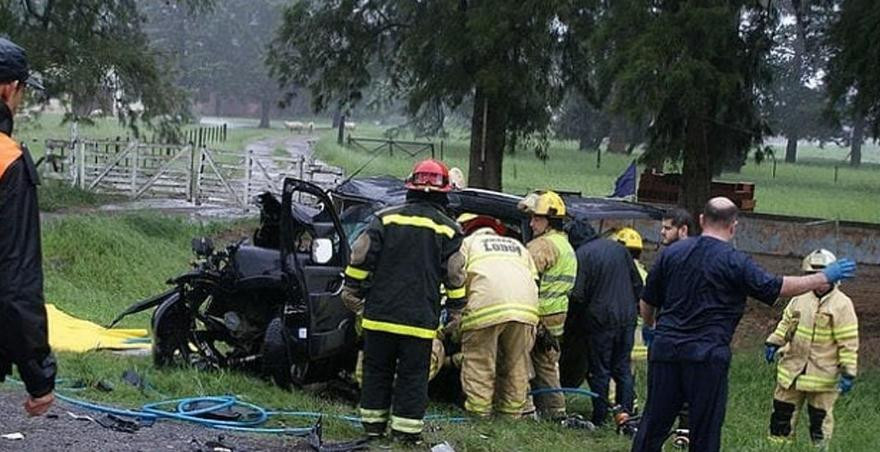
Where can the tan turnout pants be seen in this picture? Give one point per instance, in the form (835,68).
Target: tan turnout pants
(495,368)
(821,400)
(545,367)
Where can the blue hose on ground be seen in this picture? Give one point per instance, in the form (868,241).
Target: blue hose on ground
(578,391)
(182,411)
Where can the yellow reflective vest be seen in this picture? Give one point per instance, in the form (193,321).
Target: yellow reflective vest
(819,339)
(557,266)
(500,281)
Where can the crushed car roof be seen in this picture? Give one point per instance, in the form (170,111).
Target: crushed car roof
(389,190)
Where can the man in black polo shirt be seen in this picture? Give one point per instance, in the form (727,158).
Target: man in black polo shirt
(696,292)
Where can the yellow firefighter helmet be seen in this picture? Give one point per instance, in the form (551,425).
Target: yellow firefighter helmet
(629,237)
(547,203)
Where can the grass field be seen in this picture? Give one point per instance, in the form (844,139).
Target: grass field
(803,189)
(97,265)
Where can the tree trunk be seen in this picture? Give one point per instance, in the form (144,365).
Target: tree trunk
(487,143)
(617,137)
(696,178)
(791,148)
(340,132)
(265,108)
(858,136)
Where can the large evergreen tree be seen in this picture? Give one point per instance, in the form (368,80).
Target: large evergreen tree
(511,60)
(694,67)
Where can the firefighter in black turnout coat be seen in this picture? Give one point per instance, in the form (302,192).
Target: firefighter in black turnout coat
(397,267)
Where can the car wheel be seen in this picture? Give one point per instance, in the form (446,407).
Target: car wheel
(276,363)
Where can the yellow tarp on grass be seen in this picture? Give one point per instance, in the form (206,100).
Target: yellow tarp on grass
(70,334)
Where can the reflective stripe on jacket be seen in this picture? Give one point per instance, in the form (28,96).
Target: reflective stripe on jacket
(500,281)
(820,339)
(397,266)
(557,279)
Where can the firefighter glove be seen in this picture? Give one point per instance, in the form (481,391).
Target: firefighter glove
(546,341)
(839,270)
(845,384)
(770,352)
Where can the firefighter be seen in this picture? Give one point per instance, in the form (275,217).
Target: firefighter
(498,323)
(557,267)
(818,343)
(23,329)
(396,269)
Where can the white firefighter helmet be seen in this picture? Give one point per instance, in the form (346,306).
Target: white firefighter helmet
(817,260)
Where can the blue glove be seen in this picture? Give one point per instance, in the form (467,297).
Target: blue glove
(770,352)
(647,335)
(839,270)
(845,384)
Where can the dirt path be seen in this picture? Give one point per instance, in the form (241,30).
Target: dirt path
(61,432)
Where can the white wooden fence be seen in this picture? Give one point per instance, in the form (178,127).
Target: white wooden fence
(197,174)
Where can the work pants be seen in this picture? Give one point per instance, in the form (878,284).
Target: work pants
(787,404)
(545,366)
(395,375)
(495,368)
(702,385)
(610,359)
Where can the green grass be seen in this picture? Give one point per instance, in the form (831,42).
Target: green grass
(803,189)
(98,265)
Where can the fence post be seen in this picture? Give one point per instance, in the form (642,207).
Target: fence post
(224,132)
(248,168)
(302,175)
(432,150)
(441,150)
(193,172)
(134,172)
(774,168)
(81,165)
(835,173)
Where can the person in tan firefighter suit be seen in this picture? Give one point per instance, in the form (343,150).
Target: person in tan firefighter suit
(396,268)
(818,343)
(557,267)
(498,324)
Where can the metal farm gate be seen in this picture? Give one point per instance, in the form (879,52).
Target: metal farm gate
(197,174)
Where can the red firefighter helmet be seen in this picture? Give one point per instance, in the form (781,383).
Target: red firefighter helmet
(429,175)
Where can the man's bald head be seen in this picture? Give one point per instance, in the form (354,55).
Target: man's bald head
(720,211)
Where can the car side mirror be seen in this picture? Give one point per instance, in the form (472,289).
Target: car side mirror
(322,250)
(202,246)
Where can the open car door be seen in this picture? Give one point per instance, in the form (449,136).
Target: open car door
(319,333)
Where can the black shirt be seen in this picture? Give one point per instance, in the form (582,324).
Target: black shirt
(700,287)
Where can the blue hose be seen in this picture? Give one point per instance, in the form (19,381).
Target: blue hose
(578,391)
(152,412)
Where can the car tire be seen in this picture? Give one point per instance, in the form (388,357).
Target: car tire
(276,362)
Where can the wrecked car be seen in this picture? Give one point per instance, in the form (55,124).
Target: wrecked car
(271,304)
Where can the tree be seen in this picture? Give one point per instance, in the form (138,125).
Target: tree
(798,59)
(90,50)
(511,60)
(694,67)
(853,76)
(221,52)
